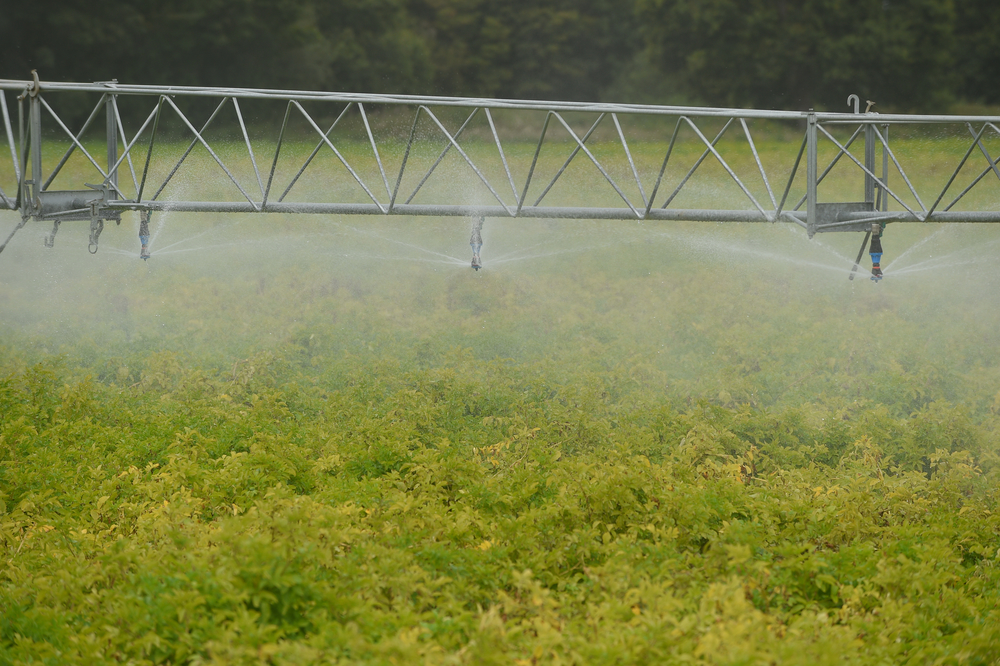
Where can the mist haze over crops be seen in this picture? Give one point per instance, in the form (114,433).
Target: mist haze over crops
(325,439)
(677,297)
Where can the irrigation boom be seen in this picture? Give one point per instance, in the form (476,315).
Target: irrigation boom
(358,167)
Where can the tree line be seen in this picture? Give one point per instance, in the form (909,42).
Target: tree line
(905,54)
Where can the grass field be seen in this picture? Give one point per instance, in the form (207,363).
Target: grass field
(328,440)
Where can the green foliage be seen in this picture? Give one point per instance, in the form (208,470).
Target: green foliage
(801,55)
(348,45)
(464,513)
(644,453)
(550,50)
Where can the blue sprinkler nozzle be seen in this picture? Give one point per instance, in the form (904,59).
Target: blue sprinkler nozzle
(876,269)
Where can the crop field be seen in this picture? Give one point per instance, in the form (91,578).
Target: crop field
(305,439)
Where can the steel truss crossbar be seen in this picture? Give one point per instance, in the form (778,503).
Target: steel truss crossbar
(551,175)
(469,102)
(544,212)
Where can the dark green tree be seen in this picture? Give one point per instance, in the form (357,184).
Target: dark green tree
(904,54)
(560,49)
(977,53)
(781,54)
(360,45)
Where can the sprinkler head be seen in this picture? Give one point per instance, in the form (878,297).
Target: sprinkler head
(144,253)
(476,261)
(876,258)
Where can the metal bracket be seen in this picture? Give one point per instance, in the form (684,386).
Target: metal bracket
(836,216)
(66,205)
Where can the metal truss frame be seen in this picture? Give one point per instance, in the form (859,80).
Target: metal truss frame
(125,183)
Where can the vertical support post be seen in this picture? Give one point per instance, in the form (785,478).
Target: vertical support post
(20,131)
(885,168)
(10,136)
(870,163)
(35,138)
(112,140)
(22,189)
(812,173)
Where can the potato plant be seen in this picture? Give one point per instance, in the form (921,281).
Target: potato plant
(673,444)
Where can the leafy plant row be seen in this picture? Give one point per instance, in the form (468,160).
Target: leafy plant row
(481,512)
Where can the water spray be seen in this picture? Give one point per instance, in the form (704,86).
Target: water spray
(144,234)
(476,242)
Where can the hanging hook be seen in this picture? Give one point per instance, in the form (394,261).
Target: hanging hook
(36,84)
(50,238)
(33,88)
(857,102)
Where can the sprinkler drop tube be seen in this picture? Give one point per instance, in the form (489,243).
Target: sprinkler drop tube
(875,250)
(476,242)
(144,234)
